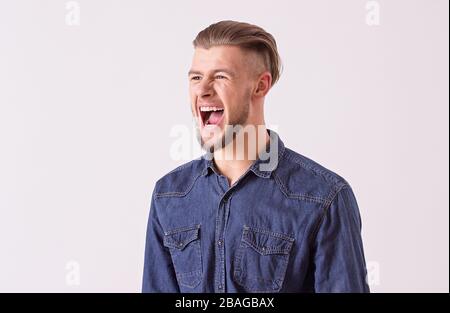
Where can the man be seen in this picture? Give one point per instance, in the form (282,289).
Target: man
(250,215)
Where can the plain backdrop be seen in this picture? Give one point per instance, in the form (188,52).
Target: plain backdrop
(87,109)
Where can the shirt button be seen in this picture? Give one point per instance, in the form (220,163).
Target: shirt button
(219,242)
(220,287)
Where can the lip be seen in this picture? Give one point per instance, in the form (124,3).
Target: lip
(209,105)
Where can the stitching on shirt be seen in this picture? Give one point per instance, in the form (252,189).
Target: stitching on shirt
(287,237)
(323,172)
(178,193)
(298,196)
(182,229)
(326,207)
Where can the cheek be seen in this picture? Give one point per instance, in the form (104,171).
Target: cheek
(227,94)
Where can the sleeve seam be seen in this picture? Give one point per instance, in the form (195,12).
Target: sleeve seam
(326,207)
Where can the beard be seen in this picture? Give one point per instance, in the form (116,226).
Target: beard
(226,136)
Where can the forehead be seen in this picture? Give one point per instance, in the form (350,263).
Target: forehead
(231,57)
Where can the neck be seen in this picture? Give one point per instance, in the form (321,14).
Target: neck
(235,159)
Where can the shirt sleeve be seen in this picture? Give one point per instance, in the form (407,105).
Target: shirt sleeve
(159,274)
(338,249)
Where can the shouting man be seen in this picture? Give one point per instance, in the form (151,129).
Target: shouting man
(250,215)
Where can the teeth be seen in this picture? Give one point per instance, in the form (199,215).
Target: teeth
(208,109)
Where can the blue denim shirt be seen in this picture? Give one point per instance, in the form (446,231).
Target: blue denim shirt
(294,227)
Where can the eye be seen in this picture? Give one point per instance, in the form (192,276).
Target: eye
(220,77)
(195,78)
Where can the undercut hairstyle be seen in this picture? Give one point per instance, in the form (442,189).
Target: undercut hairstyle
(246,36)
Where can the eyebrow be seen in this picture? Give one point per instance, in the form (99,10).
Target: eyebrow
(223,70)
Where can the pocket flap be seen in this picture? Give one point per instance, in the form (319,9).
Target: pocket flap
(179,238)
(267,242)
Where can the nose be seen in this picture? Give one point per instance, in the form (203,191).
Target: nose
(205,89)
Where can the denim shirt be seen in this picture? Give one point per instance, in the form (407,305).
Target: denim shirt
(294,227)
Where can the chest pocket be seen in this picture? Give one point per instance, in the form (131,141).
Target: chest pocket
(185,250)
(261,260)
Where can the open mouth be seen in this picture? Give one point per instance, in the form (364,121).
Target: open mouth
(211,115)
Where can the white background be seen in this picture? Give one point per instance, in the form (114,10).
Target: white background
(86,113)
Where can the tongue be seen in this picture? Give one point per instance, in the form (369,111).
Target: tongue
(215,117)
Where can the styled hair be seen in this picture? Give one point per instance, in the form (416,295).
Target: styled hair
(246,36)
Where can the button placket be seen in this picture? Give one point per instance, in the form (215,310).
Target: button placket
(220,245)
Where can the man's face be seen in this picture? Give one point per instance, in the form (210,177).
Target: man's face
(220,85)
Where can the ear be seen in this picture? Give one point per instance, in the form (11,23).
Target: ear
(263,84)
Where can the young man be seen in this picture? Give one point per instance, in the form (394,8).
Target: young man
(250,215)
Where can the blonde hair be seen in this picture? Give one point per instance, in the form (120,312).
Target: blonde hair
(246,36)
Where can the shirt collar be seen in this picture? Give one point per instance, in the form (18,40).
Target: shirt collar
(265,164)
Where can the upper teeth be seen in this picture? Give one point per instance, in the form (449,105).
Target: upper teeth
(206,109)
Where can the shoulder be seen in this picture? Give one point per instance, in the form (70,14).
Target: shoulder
(180,180)
(303,178)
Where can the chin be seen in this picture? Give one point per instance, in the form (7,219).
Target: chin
(211,138)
